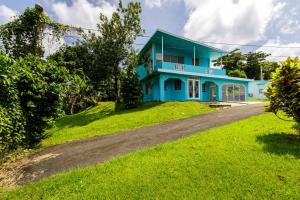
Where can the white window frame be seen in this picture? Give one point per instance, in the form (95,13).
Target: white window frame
(193,86)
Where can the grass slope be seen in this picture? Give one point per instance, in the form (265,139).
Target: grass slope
(103,120)
(257,158)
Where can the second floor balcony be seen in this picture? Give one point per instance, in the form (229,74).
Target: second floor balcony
(190,68)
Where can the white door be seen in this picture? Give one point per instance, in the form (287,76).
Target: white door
(193,88)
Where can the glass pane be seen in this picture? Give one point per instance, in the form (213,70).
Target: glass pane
(230,93)
(158,57)
(190,89)
(196,89)
(224,92)
(242,93)
(174,59)
(236,92)
(181,60)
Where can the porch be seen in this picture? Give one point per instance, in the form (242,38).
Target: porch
(176,87)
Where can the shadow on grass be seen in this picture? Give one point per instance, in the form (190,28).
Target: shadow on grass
(98,112)
(281,144)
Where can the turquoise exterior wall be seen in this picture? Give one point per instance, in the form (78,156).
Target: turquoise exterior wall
(163,87)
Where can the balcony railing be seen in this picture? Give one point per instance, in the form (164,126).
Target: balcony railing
(190,68)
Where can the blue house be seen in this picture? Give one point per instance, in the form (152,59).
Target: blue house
(258,88)
(177,68)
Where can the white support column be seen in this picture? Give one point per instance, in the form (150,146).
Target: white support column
(194,56)
(221,60)
(162,48)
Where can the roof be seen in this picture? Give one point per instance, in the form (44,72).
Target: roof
(178,42)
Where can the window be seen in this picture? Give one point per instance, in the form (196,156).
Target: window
(196,62)
(177,84)
(261,91)
(148,88)
(169,58)
(203,87)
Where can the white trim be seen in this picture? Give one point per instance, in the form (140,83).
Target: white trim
(204,75)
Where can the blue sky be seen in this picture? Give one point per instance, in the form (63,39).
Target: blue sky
(265,22)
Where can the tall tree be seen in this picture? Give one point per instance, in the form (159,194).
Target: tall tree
(24,34)
(131,88)
(269,67)
(116,40)
(232,61)
(254,64)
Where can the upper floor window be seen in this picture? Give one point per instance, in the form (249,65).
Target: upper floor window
(196,62)
(170,58)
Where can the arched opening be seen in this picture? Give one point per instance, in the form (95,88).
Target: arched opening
(210,91)
(174,89)
(233,92)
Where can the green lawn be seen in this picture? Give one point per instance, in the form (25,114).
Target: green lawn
(251,99)
(256,158)
(103,120)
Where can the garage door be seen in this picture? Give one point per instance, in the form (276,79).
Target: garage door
(233,92)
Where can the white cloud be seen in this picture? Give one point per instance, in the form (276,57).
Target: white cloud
(158,3)
(231,21)
(82,13)
(290,26)
(6,14)
(279,54)
(153,3)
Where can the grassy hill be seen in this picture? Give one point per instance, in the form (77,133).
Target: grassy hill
(103,120)
(256,158)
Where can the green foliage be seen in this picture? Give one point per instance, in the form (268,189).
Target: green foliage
(254,61)
(131,88)
(85,58)
(12,121)
(24,34)
(268,68)
(115,43)
(237,73)
(41,94)
(79,94)
(247,65)
(34,92)
(232,61)
(284,91)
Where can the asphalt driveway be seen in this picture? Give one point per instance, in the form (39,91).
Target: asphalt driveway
(85,152)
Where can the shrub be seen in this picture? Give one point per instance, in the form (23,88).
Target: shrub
(237,73)
(41,94)
(80,93)
(131,88)
(284,91)
(11,117)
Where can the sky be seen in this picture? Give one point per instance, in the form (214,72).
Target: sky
(229,23)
